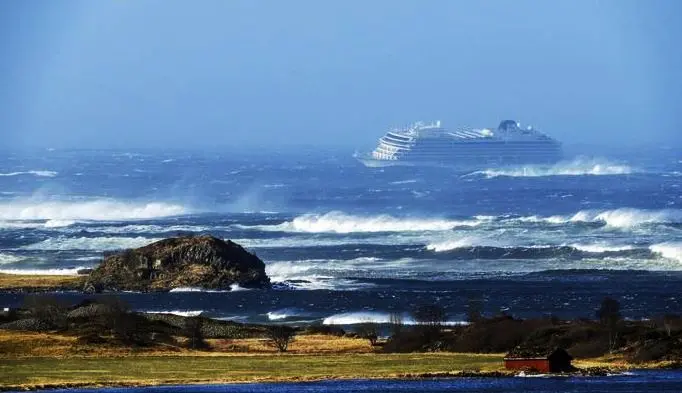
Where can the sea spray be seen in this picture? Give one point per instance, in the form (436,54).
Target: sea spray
(96,210)
(577,167)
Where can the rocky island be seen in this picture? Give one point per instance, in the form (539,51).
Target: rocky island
(192,261)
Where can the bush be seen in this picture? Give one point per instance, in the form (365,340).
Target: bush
(193,332)
(281,336)
(48,310)
(368,331)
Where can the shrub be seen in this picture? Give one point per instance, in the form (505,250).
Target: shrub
(47,309)
(192,330)
(368,331)
(281,336)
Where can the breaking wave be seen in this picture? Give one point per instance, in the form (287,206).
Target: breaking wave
(34,173)
(454,244)
(302,275)
(599,248)
(90,243)
(353,318)
(669,250)
(284,313)
(577,167)
(337,222)
(195,289)
(45,272)
(473,247)
(616,218)
(182,313)
(98,210)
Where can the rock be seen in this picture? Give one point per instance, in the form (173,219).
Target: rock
(88,311)
(28,324)
(202,262)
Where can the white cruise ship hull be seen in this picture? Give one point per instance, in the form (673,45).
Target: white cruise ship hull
(431,145)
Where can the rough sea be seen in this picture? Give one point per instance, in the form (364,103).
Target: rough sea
(346,244)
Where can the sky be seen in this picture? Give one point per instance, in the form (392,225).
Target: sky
(274,74)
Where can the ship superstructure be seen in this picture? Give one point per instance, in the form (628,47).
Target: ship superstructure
(430,143)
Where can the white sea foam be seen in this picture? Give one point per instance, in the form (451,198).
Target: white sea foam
(303,275)
(601,247)
(140,228)
(627,217)
(195,289)
(577,167)
(182,313)
(45,272)
(284,313)
(6,259)
(236,288)
(410,181)
(62,243)
(353,318)
(337,222)
(97,210)
(59,223)
(453,244)
(669,250)
(34,173)
(616,218)
(282,271)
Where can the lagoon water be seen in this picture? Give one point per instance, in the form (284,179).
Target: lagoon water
(345,244)
(637,382)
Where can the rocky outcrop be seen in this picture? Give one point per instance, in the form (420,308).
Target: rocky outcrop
(193,261)
(28,324)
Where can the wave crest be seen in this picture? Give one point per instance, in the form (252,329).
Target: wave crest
(577,167)
(669,250)
(45,272)
(357,317)
(616,218)
(337,222)
(34,173)
(99,210)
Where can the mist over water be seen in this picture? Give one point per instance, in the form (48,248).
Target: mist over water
(373,241)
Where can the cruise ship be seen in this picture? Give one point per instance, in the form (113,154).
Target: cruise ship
(431,144)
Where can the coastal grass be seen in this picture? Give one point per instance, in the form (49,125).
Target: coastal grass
(39,282)
(19,344)
(30,373)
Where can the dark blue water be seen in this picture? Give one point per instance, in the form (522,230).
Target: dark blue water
(642,381)
(344,243)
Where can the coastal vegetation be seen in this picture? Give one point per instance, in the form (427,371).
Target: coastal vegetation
(102,341)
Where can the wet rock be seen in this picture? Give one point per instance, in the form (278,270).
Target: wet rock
(202,262)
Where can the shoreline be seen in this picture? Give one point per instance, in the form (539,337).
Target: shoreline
(48,361)
(151,382)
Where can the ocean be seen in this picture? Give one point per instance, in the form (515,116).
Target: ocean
(345,244)
(635,382)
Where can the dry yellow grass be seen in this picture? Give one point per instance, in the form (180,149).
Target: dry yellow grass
(154,370)
(28,344)
(40,360)
(303,344)
(15,281)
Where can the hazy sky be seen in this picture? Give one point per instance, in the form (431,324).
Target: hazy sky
(125,73)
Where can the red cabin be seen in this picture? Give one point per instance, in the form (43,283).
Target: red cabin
(555,361)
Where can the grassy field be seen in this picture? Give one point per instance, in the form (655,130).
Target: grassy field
(19,281)
(152,370)
(49,360)
(34,360)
